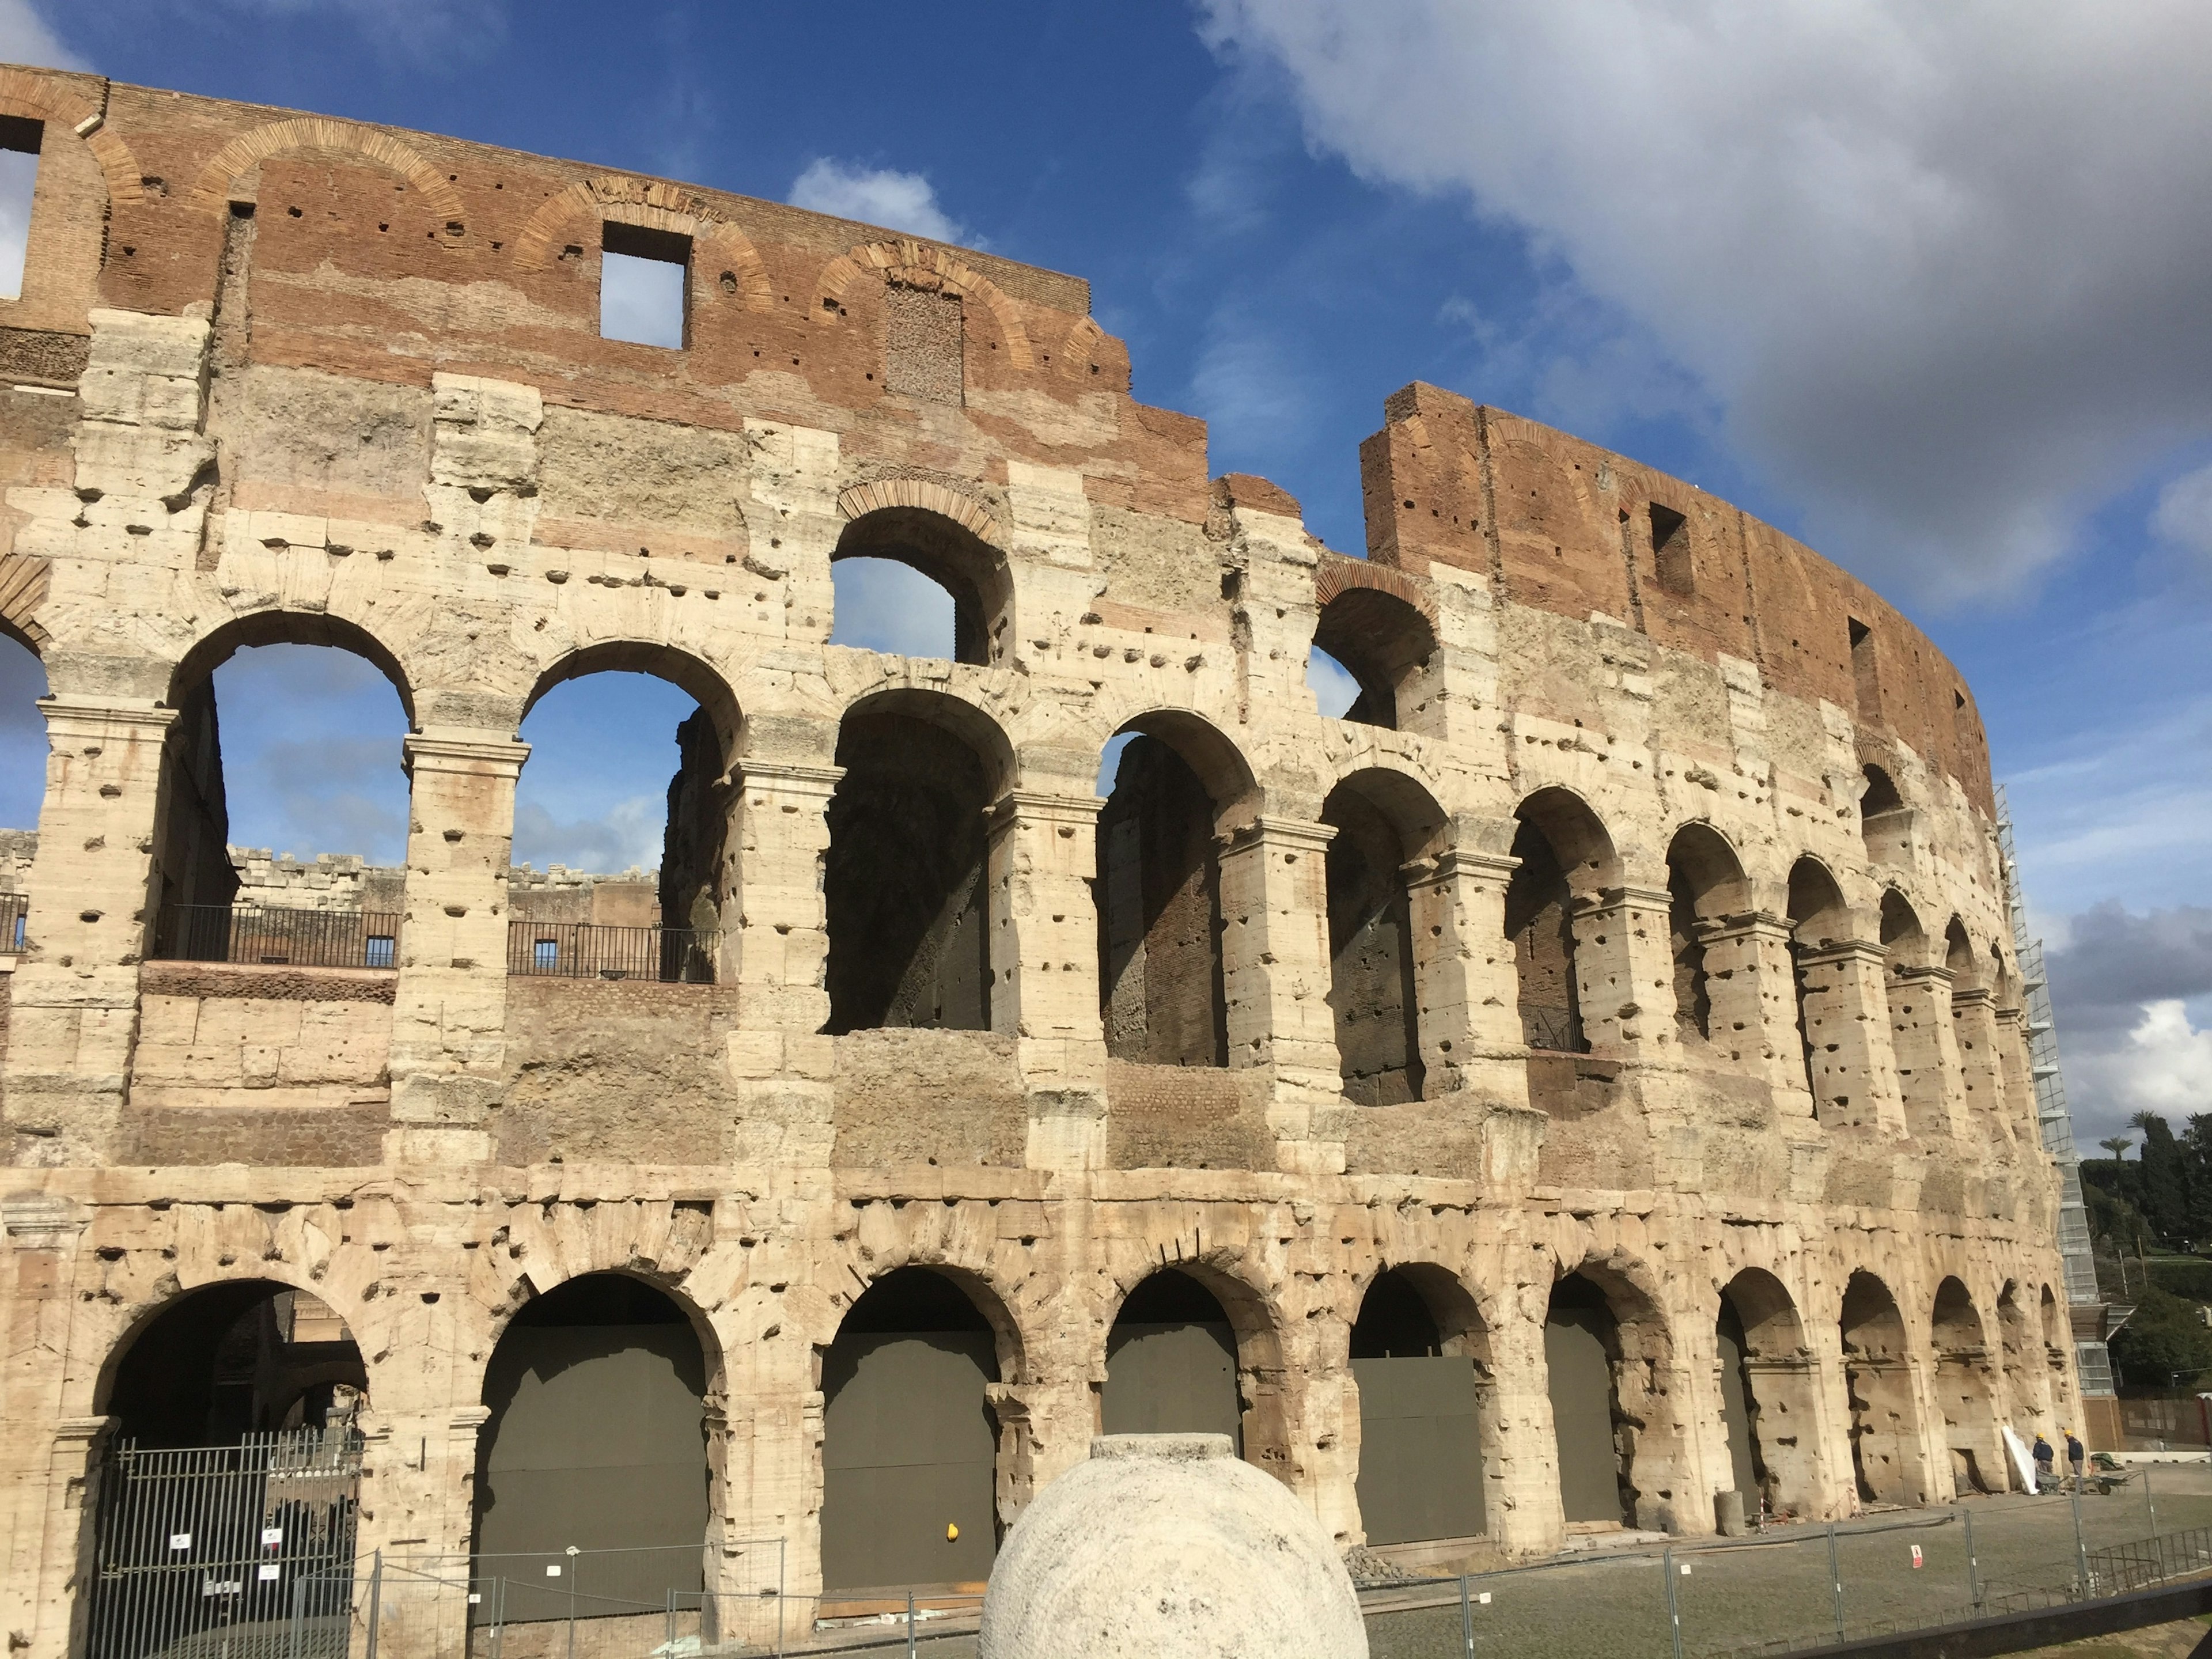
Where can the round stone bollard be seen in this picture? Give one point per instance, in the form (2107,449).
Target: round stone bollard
(1169,1546)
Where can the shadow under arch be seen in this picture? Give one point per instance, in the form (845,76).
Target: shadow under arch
(1770,1396)
(1918,997)
(973,571)
(922,1469)
(1819,920)
(1566,860)
(1384,643)
(1966,1391)
(1705,886)
(1885,821)
(596,1436)
(1428,1432)
(1385,820)
(1607,1351)
(1886,1451)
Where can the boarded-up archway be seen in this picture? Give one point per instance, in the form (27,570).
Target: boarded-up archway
(1171,1363)
(1605,1350)
(1419,1358)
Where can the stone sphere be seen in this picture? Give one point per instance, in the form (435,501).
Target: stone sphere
(1169,1545)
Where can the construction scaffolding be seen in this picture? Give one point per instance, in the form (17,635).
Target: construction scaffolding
(2095,1366)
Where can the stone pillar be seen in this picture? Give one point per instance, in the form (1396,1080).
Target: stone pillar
(1469,1018)
(1623,969)
(1981,1073)
(1927,1053)
(45,1478)
(449,1007)
(1847,1022)
(1521,1448)
(73,1015)
(2018,1069)
(1044,964)
(781,1063)
(1275,973)
(1751,986)
(770,1482)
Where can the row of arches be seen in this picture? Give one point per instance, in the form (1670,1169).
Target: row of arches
(600,1415)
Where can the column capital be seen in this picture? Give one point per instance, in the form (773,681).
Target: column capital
(1455,862)
(1297,834)
(1606,899)
(1843,950)
(1936,980)
(1974,996)
(794,777)
(1040,806)
(1745,924)
(74,714)
(462,748)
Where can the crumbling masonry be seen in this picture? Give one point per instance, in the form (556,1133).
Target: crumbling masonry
(1621,1000)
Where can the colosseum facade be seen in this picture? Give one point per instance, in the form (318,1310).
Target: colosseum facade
(1586,1079)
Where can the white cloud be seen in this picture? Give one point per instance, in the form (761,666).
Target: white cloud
(2164,1066)
(1941,265)
(1250,390)
(882,605)
(24,38)
(1334,689)
(2184,513)
(628,835)
(640,299)
(877,195)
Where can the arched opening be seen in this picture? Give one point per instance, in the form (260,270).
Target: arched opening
(1959,958)
(1382,821)
(915,583)
(1705,886)
(23,749)
(1158,892)
(236,1463)
(1915,996)
(1878,1382)
(1171,1363)
(637,868)
(280,829)
(910,1440)
(1385,645)
(1885,821)
(596,1440)
(2055,1340)
(1964,1391)
(1603,1348)
(2027,1392)
(1566,856)
(906,882)
(1769,1394)
(1818,919)
(1419,1357)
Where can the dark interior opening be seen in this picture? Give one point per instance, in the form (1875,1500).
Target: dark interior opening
(1395,1323)
(1670,551)
(1158,894)
(1866,671)
(1582,1346)
(1171,1363)
(1539,919)
(1383,642)
(1372,988)
(234,1359)
(1693,1006)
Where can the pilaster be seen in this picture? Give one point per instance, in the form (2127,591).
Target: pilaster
(1623,969)
(1470,1020)
(1754,1003)
(1847,1011)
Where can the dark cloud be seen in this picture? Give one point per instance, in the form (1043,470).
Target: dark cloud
(2116,960)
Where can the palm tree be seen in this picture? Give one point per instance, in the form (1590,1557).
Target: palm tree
(2117,1144)
(2143,1120)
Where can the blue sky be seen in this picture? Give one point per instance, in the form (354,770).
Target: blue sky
(1926,286)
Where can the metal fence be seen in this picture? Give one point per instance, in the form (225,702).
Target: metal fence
(246,1552)
(1558,1031)
(579,949)
(14,913)
(270,934)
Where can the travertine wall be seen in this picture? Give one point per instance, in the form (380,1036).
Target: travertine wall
(278,378)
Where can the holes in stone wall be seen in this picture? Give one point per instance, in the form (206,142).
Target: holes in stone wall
(643,279)
(1670,551)
(19,177)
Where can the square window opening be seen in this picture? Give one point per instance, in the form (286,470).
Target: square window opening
(1670,551)
(380,950)
(1866,673)
(545,955)
(642,282)
(18,181)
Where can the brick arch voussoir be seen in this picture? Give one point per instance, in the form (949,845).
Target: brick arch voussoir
(22,593)
(719,247)
(1334,577)
(928,496)
(919,265)
(211,191)
(23,93)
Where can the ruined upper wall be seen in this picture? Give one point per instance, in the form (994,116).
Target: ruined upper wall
(1565,526)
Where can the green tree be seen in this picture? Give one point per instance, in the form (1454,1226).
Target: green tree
(2164,1345)
(2164,1198)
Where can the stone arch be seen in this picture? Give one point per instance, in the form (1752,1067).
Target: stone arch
(211,191)
(1566,861)
(918,265)
(1429,1440)
(946,535)
(2026,1385)
(1254,1335)
(1088,352)
(706,683)
(22,590)
(1385,820)
(1705,887)
(1879,1390)
(276,627)
(2053,1315)
(1770,1396)
(1382,627)
(53,102)
(720,252)
(1819,920)
(1918,998)
(1960,957)
(1965,1389)
(906,878)
(1608,1356)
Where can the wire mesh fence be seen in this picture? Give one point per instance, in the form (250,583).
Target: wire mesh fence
(580,949)
(272,935)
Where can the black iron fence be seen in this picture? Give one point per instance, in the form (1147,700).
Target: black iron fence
(242,1551)
(580,950)
(263,933)
(15,910)
(1558,1029)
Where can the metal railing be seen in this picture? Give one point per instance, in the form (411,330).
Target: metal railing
(14,913)
(1558,1029)
(268,934)
(583,949)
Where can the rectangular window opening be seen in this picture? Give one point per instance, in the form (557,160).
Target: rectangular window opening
(19,180)
(1866,679)
(642,282)
(380,950)
(545,955)
(1670,551)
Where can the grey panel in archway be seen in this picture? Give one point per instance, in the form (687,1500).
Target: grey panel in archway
(1420,1450)
(598,1443)
(1735,1407)
(1178,1378)
(908,1449)
(1576,1340)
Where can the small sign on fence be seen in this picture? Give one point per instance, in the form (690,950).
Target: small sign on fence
(1916,1557)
